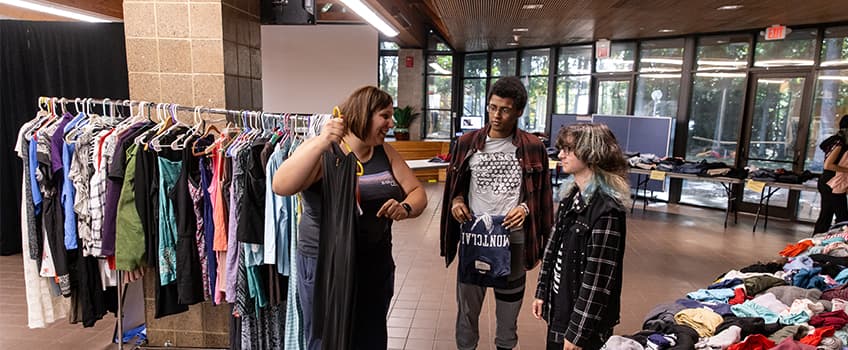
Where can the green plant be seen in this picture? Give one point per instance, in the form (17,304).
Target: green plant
(404,116)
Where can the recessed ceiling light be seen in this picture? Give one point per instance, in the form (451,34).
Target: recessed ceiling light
(520,29)
(531,6)
(729,7)
(666,30)
(511,44)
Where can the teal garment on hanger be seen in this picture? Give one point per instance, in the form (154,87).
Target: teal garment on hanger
(169,171)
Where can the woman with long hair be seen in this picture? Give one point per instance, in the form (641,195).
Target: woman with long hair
(579,288)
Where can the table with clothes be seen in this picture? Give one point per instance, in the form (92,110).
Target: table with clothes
(797,301)
(768,181)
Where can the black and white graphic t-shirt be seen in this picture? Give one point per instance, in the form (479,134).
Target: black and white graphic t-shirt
(495,178)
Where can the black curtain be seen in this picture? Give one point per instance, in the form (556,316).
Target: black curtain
(49,59)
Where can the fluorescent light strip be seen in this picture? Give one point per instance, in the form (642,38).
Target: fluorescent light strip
(729,7)
(720,75)
(833,77)
(721,63)
(54,10)
(371,17)
(658,70)
(662,60)
(833,63)
(660,76)
(772,81)
(788,62)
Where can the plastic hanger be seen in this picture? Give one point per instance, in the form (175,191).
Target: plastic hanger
(210,128)
(182,141)
(174,125)
(77,105)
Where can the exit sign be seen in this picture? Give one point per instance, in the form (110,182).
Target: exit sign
(776,32)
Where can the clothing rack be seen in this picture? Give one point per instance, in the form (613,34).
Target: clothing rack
(233,116)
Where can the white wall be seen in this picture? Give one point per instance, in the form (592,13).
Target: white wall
(311,68)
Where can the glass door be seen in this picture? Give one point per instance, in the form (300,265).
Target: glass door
(613,96)
(774,122)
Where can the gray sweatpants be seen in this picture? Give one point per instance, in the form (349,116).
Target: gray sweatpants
(469,300)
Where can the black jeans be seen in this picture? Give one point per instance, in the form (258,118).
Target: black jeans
(831,204)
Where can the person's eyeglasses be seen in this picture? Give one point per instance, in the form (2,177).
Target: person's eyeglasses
(499,110)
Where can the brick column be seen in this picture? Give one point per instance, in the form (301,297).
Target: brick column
(193,53)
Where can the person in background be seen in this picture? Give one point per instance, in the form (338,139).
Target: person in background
(498,170)
(579,287)
(388,192)
(832,203)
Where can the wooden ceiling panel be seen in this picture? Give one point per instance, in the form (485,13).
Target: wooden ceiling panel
(112,8)
(478,25)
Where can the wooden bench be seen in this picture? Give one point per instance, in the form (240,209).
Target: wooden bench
(411,150)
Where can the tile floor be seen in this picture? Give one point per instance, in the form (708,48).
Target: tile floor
(671,250)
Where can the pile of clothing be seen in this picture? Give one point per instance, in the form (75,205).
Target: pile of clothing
(646,161)
(781,175)
(796,302)
(677,165)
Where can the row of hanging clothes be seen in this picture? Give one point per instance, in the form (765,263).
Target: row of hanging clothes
(188,202)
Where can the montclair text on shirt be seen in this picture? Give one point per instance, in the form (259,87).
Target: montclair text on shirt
(486,241)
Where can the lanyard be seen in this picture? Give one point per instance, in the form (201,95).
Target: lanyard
(360,170)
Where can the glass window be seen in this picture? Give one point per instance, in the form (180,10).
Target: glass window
(439,92)
(503,63)
(575,60)
(440,64)
(435,43)
(474,98)
(389,75)
(798,49)
(829,103)
(620,60)
(722,53)
(834,47)
(534,72)
(809,205)
(714,116)
(656,95)
(388,45)
(535,62)
(438,124)
(613,96)
(661,56)
(535,114)
(774,127)
(704,193)
(475,65)
(573,94)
